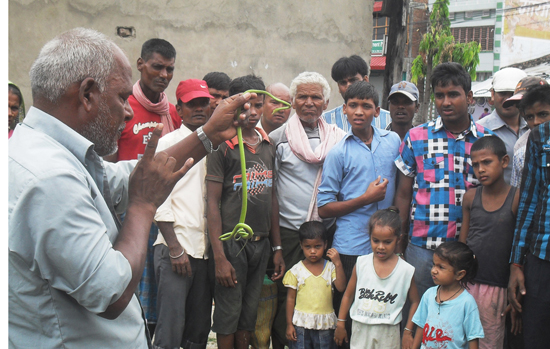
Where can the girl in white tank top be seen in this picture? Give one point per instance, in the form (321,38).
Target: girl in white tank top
(380,284)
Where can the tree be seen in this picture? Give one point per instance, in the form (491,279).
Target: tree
(438,46)
(397,38)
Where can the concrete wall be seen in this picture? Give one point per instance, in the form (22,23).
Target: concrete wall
(275,40)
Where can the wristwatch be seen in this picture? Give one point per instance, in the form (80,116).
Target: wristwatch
(205,141)
(277,248)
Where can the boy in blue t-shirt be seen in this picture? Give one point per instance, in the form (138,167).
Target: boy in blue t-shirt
(358,177)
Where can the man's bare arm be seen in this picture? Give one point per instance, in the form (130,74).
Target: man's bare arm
(403,199)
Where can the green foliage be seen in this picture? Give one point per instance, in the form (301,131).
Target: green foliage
(438,45)
(418,69)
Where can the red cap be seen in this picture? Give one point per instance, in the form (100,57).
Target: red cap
(192,88)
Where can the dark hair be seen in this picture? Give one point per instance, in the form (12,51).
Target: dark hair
(362,90)
(245,83)
(451,73)
(349,66)
(493,143)
(460,257)
(537,94)
(217,80)
(388,217)
(160,46)
(15,90)
(312,230)
(485,109)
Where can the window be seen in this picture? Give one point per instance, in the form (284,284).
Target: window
(483,35)
(468,14)
(379,27)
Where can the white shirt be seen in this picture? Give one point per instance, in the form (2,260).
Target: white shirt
(186,205)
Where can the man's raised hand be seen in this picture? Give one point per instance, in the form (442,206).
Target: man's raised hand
(154,175)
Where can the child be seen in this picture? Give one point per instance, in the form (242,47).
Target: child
(358,177)
(377,288)
(489,218)
(240,265)
(447,315)
(310,317)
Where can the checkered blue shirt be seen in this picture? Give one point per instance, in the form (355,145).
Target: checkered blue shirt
(532,233)
(443,172)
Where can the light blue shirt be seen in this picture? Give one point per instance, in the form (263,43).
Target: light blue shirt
(337,117)
(348,170)
(451,324)
(63,270)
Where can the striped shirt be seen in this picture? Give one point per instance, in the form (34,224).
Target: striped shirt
(443,172)
(337,117)
(532,232)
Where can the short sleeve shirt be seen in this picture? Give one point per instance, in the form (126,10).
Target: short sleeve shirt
(451,324)
(442,168)
(224,166)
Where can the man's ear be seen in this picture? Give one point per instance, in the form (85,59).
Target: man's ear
(470,97)
(366,78)
(505,161)
(178,109)
(140,64)
(344,107)
(88,93)
(492,100)
(326,104)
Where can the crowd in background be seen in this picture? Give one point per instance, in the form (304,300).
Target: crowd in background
(369,231)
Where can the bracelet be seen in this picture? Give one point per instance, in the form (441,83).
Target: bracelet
(408,329)
(341,320)
(518,265)
(277,248)
(176,257)
(206,141)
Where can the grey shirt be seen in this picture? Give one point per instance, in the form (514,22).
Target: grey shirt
(494,123)
(63,270)
(295,179)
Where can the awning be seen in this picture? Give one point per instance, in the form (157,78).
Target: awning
(378,63)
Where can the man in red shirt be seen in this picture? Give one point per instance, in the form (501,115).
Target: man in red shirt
(148,100)
(151,107)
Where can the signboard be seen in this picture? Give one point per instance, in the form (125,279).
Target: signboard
(377,48)
(526,33)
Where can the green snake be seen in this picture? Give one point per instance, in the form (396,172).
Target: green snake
(243,230)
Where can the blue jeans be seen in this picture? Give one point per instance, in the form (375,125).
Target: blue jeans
(422,260)
(313,339)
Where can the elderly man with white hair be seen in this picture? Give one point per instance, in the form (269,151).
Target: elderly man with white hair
(301,147)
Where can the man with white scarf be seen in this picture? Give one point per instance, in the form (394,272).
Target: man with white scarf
(301,147)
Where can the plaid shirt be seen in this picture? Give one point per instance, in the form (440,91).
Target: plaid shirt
(532,233)
(443,172)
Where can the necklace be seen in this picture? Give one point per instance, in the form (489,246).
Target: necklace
(441,301)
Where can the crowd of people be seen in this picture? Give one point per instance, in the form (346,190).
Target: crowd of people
(374,232)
